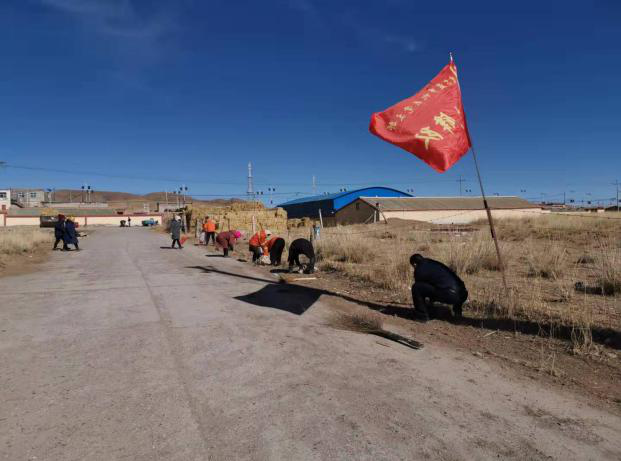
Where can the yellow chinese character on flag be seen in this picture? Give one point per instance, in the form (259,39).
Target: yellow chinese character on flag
(427,134)
(447,123)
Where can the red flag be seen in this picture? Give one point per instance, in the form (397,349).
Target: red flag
(431,124)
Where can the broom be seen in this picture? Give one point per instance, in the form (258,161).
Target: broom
(372,324)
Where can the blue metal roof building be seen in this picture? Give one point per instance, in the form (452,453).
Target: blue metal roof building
(329,204)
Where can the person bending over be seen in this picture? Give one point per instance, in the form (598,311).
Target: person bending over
(301,247)
(257,244)
(227,240)
(275,246)
(436,282)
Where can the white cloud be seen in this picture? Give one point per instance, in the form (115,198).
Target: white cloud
(407,44)
(142,39)
(113,18)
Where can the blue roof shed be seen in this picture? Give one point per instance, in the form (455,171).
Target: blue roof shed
(329,204)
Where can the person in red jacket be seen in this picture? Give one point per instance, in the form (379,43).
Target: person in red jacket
(227,240)
(258,244)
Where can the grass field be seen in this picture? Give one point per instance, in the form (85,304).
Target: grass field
(17,240)
(23,245)
(563,272)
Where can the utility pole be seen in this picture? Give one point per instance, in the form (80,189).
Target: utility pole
(564,199)
(460,181)
(250,190)
(314,186)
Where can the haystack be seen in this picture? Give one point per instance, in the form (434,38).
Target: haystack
(239,216)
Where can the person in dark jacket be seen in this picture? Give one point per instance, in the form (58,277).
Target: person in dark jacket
(436,282)
(175,231)
(275,247)
(59,232)
(302,247)
(70,236)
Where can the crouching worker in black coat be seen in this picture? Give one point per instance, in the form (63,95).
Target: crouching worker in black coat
(302,247)
(275,247)
(436,282)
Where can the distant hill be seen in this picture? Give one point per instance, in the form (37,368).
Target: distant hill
(122,199)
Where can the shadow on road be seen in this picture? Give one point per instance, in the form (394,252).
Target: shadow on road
(289,298)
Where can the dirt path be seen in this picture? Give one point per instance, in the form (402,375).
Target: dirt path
(131,351)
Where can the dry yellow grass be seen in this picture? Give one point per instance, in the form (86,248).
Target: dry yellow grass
(15,240)
(545,257)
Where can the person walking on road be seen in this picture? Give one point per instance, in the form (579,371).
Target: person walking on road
(70,236)
(302,247)
(227,240)
(209,227)
(59,232)
(436,282)
(175,232)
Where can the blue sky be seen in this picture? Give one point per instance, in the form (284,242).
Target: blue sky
(142,96)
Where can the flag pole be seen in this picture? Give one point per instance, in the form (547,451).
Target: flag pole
(488,211)
(491,223)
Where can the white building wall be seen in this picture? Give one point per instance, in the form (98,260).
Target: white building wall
(116,220)
(82,221)
(460,216)
(5,199)
(22,221)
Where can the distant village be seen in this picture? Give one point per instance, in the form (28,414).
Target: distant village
(35,207)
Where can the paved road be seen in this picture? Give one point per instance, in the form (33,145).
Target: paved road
(131,351)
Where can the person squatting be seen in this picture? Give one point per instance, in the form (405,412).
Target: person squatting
(435,282)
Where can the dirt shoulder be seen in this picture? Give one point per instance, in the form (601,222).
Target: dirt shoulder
(23,263)
(531,354)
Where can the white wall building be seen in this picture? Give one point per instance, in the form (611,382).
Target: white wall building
(436,210)
(5,199)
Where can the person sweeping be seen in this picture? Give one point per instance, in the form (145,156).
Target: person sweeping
(70,236)
(59,232)
(226,240)
(275,247)
(302,247)
(257,244)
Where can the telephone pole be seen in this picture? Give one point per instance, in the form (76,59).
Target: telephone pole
(314,186)
(616,184)
(250,191)
(460,181)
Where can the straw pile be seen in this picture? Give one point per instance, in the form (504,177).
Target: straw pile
(239,216)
